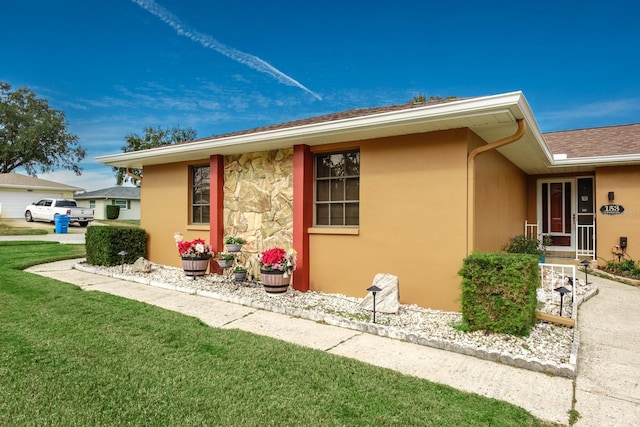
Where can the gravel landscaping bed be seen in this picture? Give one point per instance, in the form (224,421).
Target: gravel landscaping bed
(549,348)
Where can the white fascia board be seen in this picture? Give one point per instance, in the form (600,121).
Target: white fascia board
(598,161)
(460,109)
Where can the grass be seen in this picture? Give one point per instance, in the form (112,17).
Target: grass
(70,357)
(8,230)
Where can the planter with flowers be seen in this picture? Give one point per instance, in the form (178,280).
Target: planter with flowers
(196,255)
(225,260)
(233,243)
(240,273)
(276,266)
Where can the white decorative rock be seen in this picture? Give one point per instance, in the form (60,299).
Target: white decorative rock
(388,299)
(142,265)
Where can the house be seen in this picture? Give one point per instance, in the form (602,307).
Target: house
(17,191)
(126,198)
(409,190)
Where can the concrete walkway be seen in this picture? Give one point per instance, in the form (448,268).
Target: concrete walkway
(608,383)
(606,392)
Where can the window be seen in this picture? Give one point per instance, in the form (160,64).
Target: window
(337,192)
(92,204)
(124,204)
(200,183)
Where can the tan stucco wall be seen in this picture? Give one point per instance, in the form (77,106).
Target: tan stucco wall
(624,182)
(165,210)
(412,222)
(500,200)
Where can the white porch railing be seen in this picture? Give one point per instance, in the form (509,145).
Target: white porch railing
(531,229)
(586,241)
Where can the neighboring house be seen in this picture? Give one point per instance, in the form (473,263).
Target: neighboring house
(127,198)
(17,191)
(409,190)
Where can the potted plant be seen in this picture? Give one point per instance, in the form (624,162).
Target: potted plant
(196,255)
(234,243)
(276,266)
(240,273)
(224,260)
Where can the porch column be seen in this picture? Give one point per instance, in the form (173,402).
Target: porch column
(302,212)
(216,206)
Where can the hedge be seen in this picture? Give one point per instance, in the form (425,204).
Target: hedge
(113,211)
(499,292)
(103,244)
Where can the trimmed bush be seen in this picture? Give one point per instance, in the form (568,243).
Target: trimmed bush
(103,244)
(499,292)
(113,211)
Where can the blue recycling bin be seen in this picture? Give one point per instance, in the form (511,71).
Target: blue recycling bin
(62,223)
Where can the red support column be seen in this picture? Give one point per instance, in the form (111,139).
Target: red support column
(302,212)
(216,203)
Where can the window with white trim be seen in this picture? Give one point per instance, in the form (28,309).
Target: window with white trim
(124,204)
(337,189)
(200,194)
(92,204)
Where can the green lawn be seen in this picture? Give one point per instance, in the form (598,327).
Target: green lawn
(10,230)
(70,357)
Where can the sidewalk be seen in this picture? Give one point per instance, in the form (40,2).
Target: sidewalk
(608,382)
(607,392)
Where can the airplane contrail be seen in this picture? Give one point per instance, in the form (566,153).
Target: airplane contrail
(209,42)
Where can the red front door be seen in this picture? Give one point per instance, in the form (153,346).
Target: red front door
(557,211)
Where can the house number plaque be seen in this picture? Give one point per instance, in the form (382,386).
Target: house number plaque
(611,209)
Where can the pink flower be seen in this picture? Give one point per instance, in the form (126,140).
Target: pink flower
(278,259)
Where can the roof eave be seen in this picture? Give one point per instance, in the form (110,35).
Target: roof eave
(447,115)
(38,187)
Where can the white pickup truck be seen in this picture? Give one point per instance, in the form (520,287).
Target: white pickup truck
(47,209)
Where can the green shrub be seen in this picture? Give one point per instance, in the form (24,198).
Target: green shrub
(104,243)
(522,244)
(626,268)
(113,211)
(499,292)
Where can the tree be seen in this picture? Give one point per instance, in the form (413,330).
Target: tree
(33,135)
(153,137)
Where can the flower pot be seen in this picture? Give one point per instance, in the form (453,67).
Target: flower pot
(194,267)
(233,247)
(224,263)
(240,276)
(274,281)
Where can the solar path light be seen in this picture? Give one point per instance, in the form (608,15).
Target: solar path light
(562,290)
(374,290)
(122,254)
(585,263)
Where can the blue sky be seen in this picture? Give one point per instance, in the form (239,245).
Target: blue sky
(117,66)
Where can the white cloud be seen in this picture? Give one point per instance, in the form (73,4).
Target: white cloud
(209,42)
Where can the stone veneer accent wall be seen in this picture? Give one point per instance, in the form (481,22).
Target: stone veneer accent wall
(258,202)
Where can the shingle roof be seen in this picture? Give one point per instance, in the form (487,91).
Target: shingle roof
(117,192)
(16,180)
(349,114)
(596,142)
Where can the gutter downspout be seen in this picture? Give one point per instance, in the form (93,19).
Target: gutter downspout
(133,175)
(471,179)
